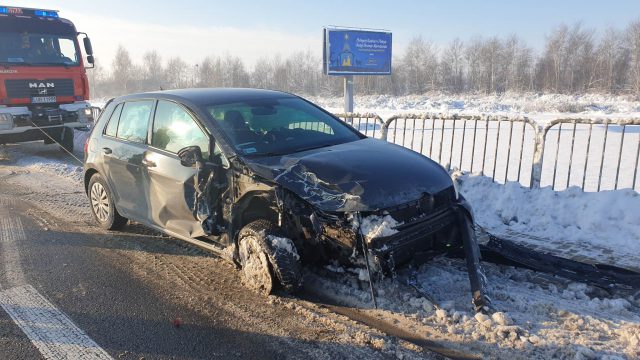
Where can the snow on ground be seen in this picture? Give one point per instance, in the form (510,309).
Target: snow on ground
(534,319)
(573,222)
(541,108)
(46,158)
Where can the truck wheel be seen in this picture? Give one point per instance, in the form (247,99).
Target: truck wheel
(266,255)
(66,140)
(103,208)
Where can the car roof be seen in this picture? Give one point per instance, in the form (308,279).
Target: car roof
(210,96)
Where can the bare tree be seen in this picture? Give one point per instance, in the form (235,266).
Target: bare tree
(153,71)
(122,70)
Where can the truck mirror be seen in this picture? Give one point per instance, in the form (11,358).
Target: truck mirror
(90,59)
(88,48)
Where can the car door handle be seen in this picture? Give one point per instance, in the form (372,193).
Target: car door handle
(148,163)
(106,150)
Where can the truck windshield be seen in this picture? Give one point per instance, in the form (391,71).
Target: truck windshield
(270,127)
(38,49)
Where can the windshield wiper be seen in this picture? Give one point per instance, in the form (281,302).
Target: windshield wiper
(313,147)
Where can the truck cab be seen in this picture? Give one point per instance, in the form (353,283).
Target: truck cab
(43,82)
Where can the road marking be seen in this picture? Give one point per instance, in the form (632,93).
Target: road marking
(51,331)
(11,231)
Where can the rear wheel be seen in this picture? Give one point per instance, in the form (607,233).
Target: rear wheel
(102,206)
(267,257)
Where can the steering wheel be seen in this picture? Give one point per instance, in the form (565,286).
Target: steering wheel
(272,135)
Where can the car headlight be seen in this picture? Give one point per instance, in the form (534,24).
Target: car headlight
(6,121)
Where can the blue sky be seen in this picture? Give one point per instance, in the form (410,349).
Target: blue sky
(253,29)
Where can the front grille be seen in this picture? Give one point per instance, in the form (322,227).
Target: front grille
(426,205)
(27,88)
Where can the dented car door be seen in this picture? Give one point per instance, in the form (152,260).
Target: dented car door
(172,198)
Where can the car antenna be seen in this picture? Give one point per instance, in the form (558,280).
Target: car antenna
(365,250)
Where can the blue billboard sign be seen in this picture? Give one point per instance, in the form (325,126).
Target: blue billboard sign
(357,52)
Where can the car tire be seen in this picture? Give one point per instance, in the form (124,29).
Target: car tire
(102,205)
(66,140)
(262,240)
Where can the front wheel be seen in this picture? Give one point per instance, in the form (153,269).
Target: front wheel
(267,256)
(103,208)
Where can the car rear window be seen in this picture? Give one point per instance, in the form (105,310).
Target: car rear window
(112,126)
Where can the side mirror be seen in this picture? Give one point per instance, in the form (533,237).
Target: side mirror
(191,156)
(90,59)
(87,46)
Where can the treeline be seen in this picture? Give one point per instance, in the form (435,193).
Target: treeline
(574,60)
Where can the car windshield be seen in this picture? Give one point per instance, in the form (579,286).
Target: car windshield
(37,49)
(266,127)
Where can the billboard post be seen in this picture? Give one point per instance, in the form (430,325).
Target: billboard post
(348,52)
(348,93)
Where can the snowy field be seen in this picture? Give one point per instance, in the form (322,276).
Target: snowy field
(540,108)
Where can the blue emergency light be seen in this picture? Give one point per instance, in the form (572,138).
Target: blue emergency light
(7,10)
(45,13)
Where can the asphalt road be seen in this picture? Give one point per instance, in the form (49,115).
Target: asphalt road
(68,287)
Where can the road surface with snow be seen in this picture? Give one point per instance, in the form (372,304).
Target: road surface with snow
(67,287)
(124,290)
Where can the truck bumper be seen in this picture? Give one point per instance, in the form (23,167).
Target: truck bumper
(20,124)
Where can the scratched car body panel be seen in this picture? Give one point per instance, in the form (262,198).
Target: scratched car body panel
(204,164)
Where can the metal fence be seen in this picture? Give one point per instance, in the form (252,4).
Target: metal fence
(368,124)
(592,154)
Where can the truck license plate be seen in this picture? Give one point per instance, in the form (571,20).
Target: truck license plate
(43,99)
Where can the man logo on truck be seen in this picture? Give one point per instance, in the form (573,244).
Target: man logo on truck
(42,85)
(43,82)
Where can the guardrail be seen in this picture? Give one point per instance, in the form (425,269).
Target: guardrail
(593,154)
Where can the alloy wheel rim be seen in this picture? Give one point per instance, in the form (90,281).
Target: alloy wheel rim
(100,202)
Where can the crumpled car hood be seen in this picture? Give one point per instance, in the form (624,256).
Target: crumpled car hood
(364,175)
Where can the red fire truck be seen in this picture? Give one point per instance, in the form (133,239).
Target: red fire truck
(43,82)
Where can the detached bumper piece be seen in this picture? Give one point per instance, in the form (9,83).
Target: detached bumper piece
(416,240)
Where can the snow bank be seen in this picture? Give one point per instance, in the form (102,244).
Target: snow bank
(539,107)
(59,168)
(570,218)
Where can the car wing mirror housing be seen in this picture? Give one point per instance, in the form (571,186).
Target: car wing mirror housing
(191,156)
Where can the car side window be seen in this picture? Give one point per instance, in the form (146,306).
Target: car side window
(174,129)
(134,121)
(112,126)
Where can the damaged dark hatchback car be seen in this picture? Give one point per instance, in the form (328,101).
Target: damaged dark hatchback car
(270,181)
